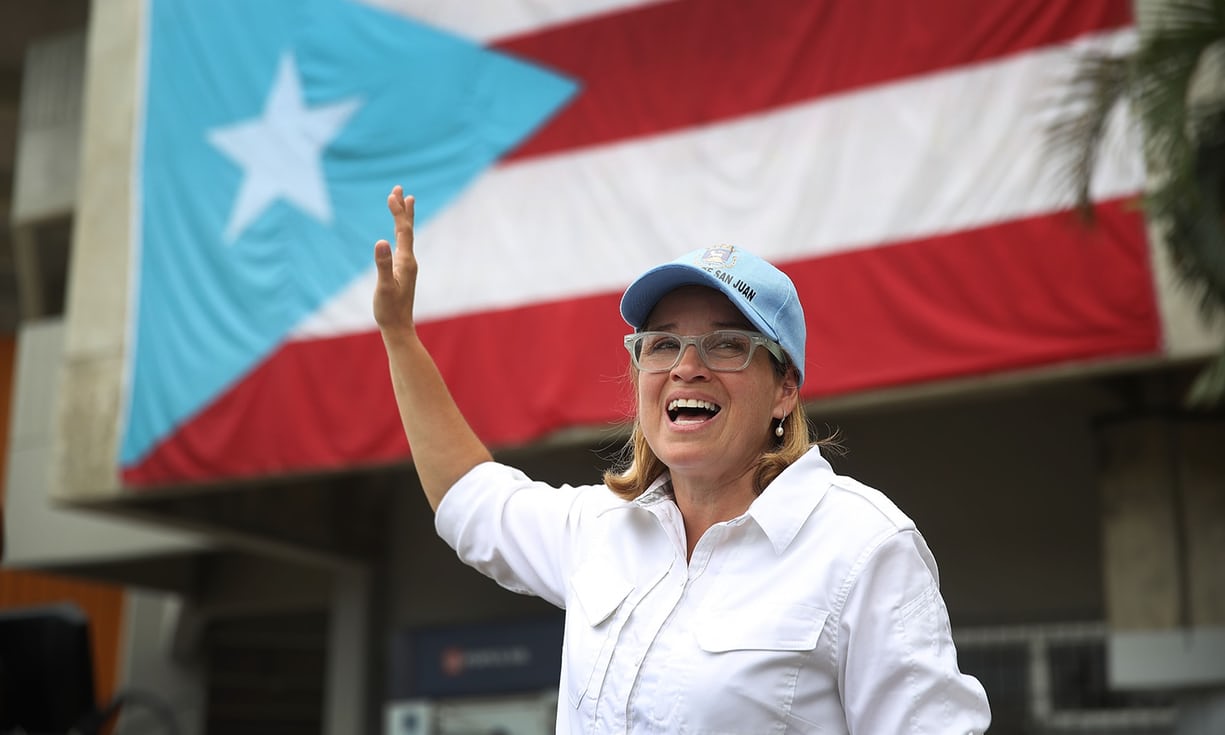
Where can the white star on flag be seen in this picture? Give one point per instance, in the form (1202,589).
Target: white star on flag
(280,153)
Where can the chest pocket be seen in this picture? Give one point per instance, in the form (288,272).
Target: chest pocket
(752,657)
(598,590)
(791,628)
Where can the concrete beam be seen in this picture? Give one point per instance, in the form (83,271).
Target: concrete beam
(98,287)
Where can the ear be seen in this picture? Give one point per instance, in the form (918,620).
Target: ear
(788,394)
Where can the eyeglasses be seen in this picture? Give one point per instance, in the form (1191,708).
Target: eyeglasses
(725,350)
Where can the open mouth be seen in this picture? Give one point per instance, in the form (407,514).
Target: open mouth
(691,410)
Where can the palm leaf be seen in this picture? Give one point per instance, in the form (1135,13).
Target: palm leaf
(1172,81)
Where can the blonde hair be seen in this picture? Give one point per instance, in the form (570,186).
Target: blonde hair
(639,466)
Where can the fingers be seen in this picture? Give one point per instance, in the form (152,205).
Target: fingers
(402,210)
(397,269)
(396,266)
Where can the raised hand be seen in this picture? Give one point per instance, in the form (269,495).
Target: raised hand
(397,271)
(444,446)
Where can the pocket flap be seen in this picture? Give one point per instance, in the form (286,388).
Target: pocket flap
(599,589)
(790,628)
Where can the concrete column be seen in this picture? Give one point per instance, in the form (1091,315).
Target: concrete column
(347,697)
(1162,482)
(96,302)
(156,682)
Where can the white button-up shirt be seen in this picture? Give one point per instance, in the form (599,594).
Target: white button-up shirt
(817,611)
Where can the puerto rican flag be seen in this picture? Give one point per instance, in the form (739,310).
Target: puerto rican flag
(891,157)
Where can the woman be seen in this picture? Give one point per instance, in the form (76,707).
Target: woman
(726,580)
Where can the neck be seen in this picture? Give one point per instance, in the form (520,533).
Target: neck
(704,503)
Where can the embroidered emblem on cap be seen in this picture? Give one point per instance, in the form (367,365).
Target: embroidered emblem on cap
(721,256)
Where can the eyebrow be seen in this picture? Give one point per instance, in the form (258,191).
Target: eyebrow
(742,324)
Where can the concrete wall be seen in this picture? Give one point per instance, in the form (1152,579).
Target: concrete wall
(41,534)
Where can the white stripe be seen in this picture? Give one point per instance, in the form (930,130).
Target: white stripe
(487,20)
(930,155)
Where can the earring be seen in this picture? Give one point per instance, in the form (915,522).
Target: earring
(778,430)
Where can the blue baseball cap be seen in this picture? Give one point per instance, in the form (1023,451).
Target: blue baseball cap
(763,293)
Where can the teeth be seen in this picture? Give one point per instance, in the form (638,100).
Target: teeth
(692,403)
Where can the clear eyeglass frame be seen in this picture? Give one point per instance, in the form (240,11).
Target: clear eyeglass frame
(703,343)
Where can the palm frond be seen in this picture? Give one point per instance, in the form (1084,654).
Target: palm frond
(1100,82)
(1181,45)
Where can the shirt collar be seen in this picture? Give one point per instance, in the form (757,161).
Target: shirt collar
(780,511)
(783,507)
(658,491)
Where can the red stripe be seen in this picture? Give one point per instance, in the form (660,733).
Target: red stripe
(965,304)
(662,67)
(955,305)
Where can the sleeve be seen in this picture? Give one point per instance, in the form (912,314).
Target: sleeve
(898,670)
(516,531)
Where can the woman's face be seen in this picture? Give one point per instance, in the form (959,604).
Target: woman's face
(733,423)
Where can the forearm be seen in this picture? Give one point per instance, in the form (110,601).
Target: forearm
(443,445)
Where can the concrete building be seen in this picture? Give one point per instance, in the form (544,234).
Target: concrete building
(1077,511)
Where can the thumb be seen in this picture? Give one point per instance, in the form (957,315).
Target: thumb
(382,261)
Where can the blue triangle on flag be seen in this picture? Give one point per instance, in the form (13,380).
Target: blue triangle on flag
(272,133)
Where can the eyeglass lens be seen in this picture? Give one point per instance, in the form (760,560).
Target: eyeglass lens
(724,350)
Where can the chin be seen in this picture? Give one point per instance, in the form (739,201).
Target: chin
(686,455)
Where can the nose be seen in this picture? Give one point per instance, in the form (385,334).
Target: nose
(690,366)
